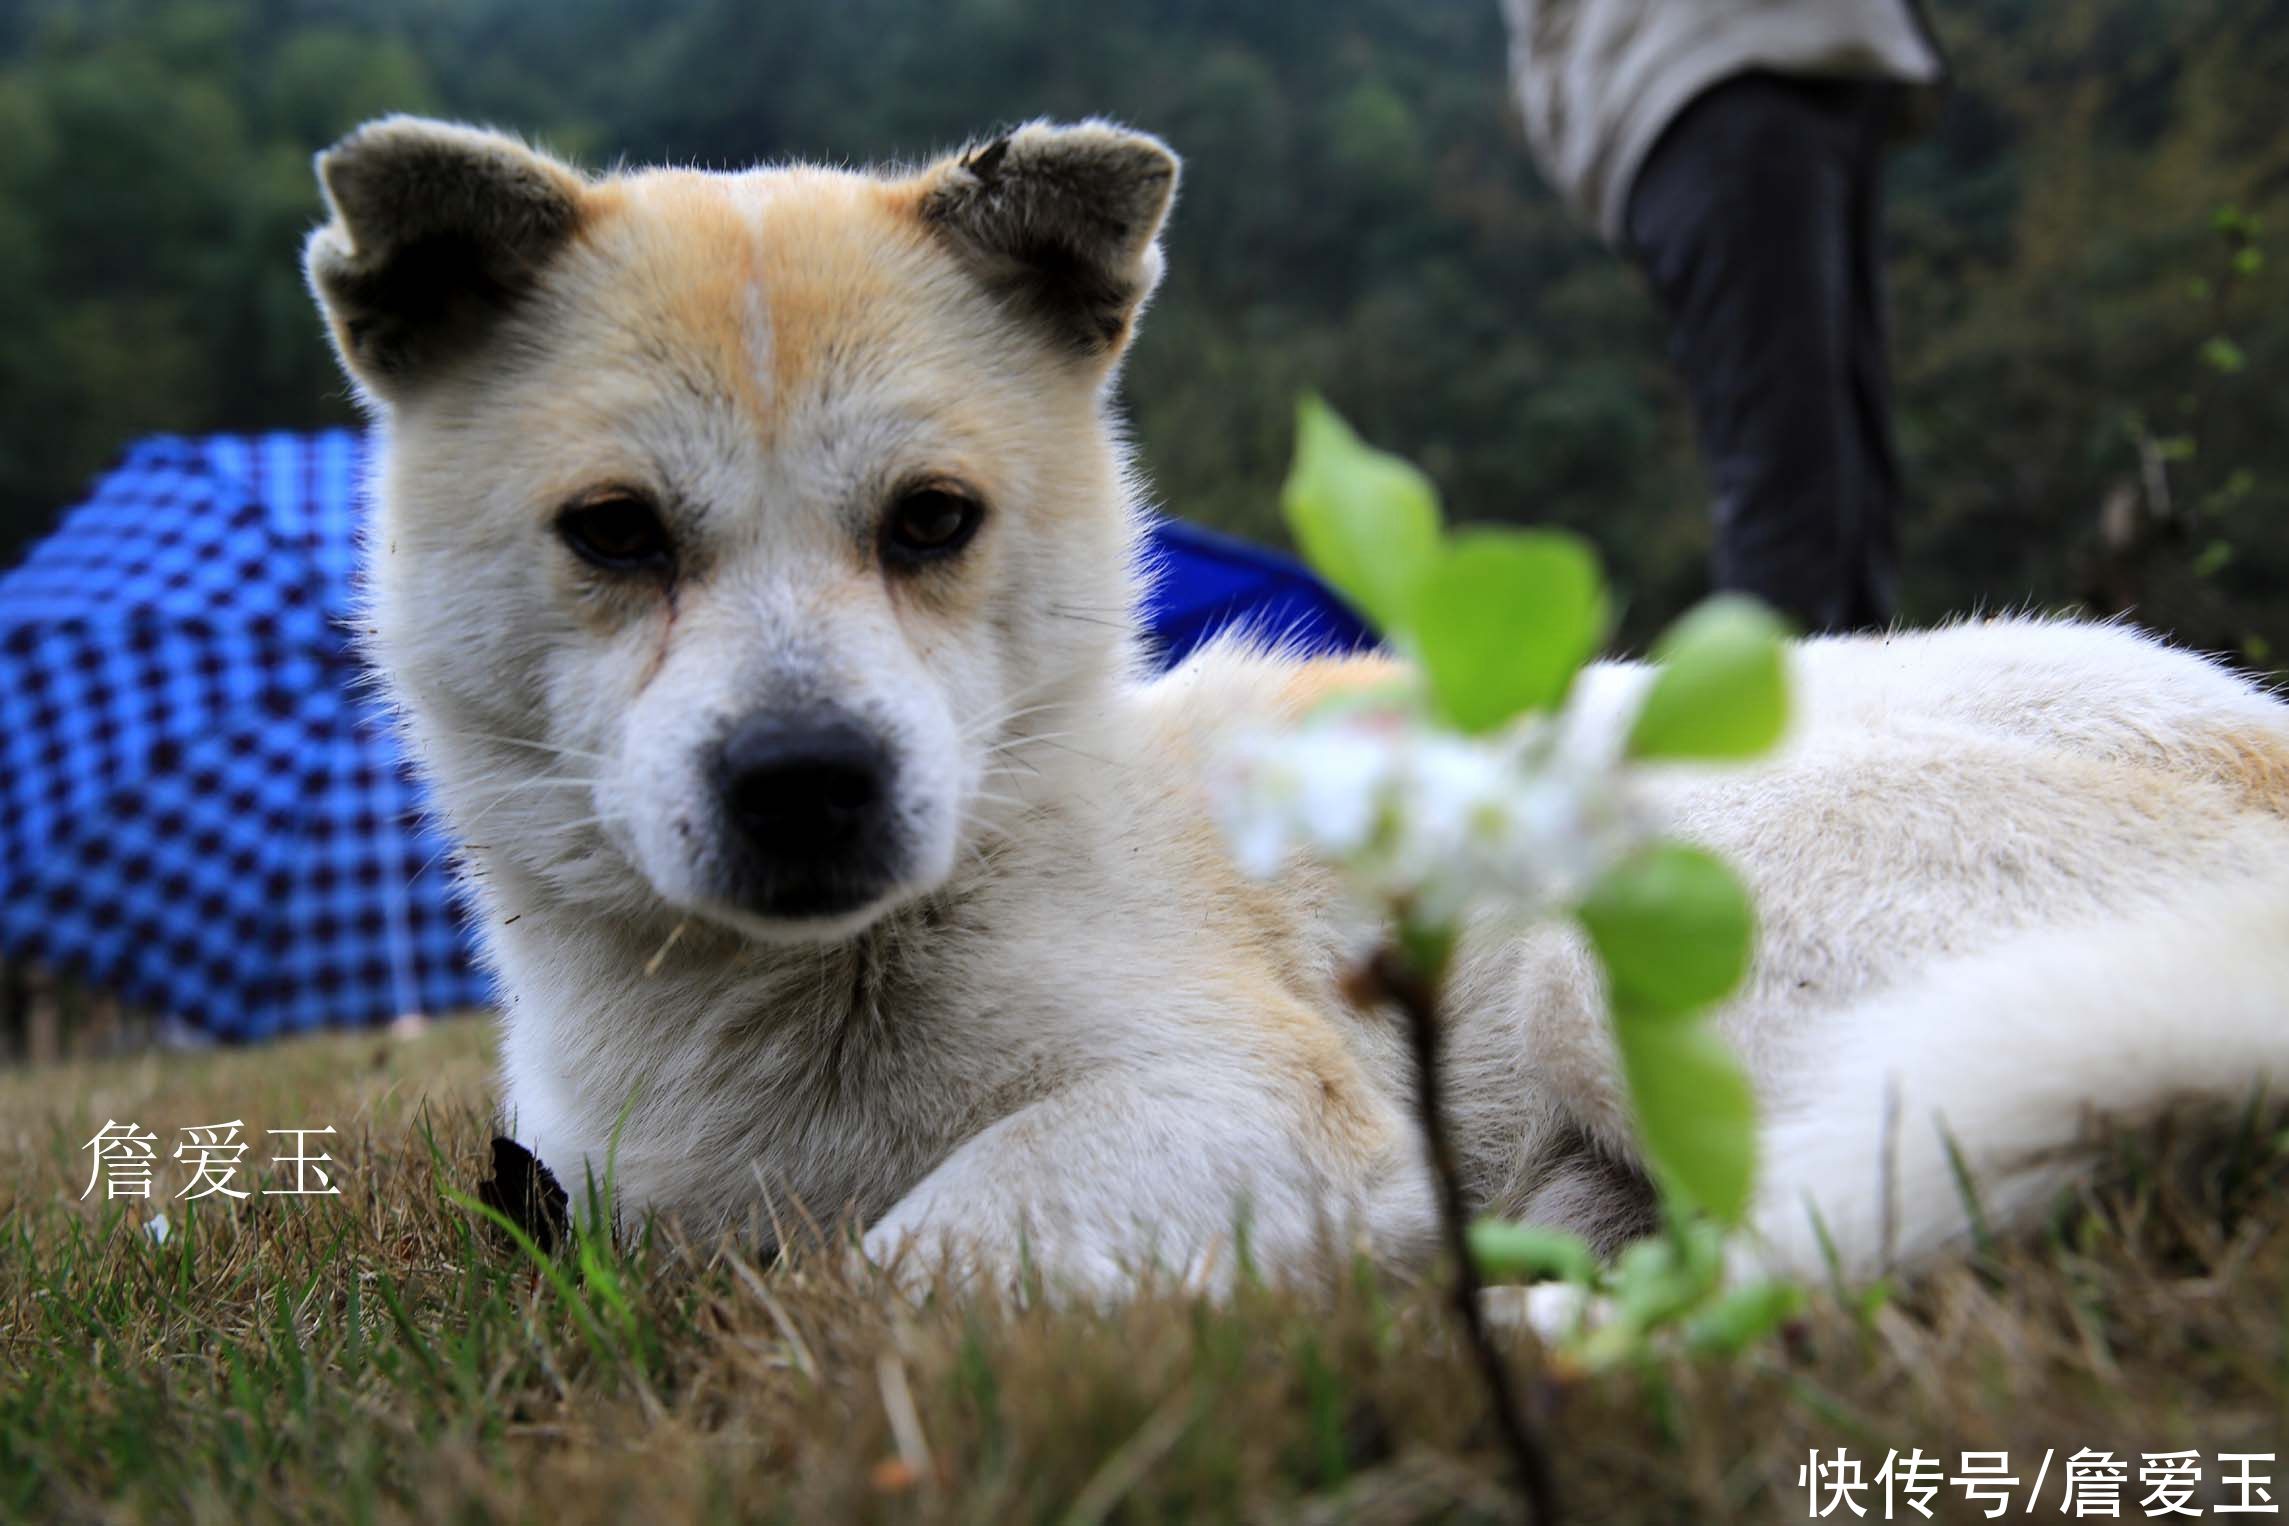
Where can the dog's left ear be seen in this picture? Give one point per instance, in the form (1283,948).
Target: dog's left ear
(1063,222)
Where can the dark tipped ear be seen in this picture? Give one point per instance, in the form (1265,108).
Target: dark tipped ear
(437,230)
(1063,222)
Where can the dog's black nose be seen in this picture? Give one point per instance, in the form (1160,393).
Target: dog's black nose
(803,792)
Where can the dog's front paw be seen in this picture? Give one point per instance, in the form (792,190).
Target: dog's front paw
(923,1261)
(919,1263)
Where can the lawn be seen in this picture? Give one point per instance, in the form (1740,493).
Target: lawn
(385,1355)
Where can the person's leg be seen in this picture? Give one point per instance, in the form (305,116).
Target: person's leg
(1748,217)
(1871,365)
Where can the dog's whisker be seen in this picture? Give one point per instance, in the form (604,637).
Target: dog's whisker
(552,780)
(1015,707)
(1012,744)
(512,792)
(1083,619)
(584,821)
(1021,697)
(508,741)
(461,829)
(989,723)
(1048,741)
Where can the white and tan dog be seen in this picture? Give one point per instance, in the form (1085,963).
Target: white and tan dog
(752,564)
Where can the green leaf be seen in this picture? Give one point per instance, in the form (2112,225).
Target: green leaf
(1695,1113)
(1673,927)
(1367,522)
(1507,1252)
(2222,355)
(1658,1278)
(1503,619)
(1871,1300)
(1741,1318)
(1653,1284)
(1428,948)
(1722,688)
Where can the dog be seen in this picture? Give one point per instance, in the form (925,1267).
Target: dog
(751,563)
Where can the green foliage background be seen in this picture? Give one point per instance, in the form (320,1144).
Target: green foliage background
(1359,217)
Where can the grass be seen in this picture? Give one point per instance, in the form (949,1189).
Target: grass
(386,1356)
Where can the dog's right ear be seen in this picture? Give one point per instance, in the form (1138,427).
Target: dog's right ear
(436,231)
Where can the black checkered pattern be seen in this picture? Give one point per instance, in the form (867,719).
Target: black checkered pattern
(200,806)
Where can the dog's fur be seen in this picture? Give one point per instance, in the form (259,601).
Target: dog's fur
(2012,876)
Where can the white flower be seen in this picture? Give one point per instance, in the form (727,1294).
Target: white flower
(1260,842)
(1346,782)
(1438,822)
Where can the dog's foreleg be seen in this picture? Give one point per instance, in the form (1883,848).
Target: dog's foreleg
(1122,1177)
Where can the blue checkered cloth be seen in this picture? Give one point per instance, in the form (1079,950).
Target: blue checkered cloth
(202,805)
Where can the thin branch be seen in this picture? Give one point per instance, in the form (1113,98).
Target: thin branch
(1396,980)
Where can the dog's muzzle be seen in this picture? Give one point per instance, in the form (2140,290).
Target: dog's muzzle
(809,807)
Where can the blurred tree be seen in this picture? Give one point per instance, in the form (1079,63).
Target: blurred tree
(154,188)
(2077,328)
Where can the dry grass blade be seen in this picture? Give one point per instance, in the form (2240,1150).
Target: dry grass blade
(1112,1481)
(385,1357)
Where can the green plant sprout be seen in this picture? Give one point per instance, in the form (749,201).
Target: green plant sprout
(1476,787)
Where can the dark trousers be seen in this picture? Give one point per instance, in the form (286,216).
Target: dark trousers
(1758,218)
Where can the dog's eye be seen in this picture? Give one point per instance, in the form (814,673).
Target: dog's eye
(620,532)
(930,522)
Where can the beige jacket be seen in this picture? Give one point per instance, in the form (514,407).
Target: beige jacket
(1598,80)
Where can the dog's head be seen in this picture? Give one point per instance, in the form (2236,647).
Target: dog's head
(733,528)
